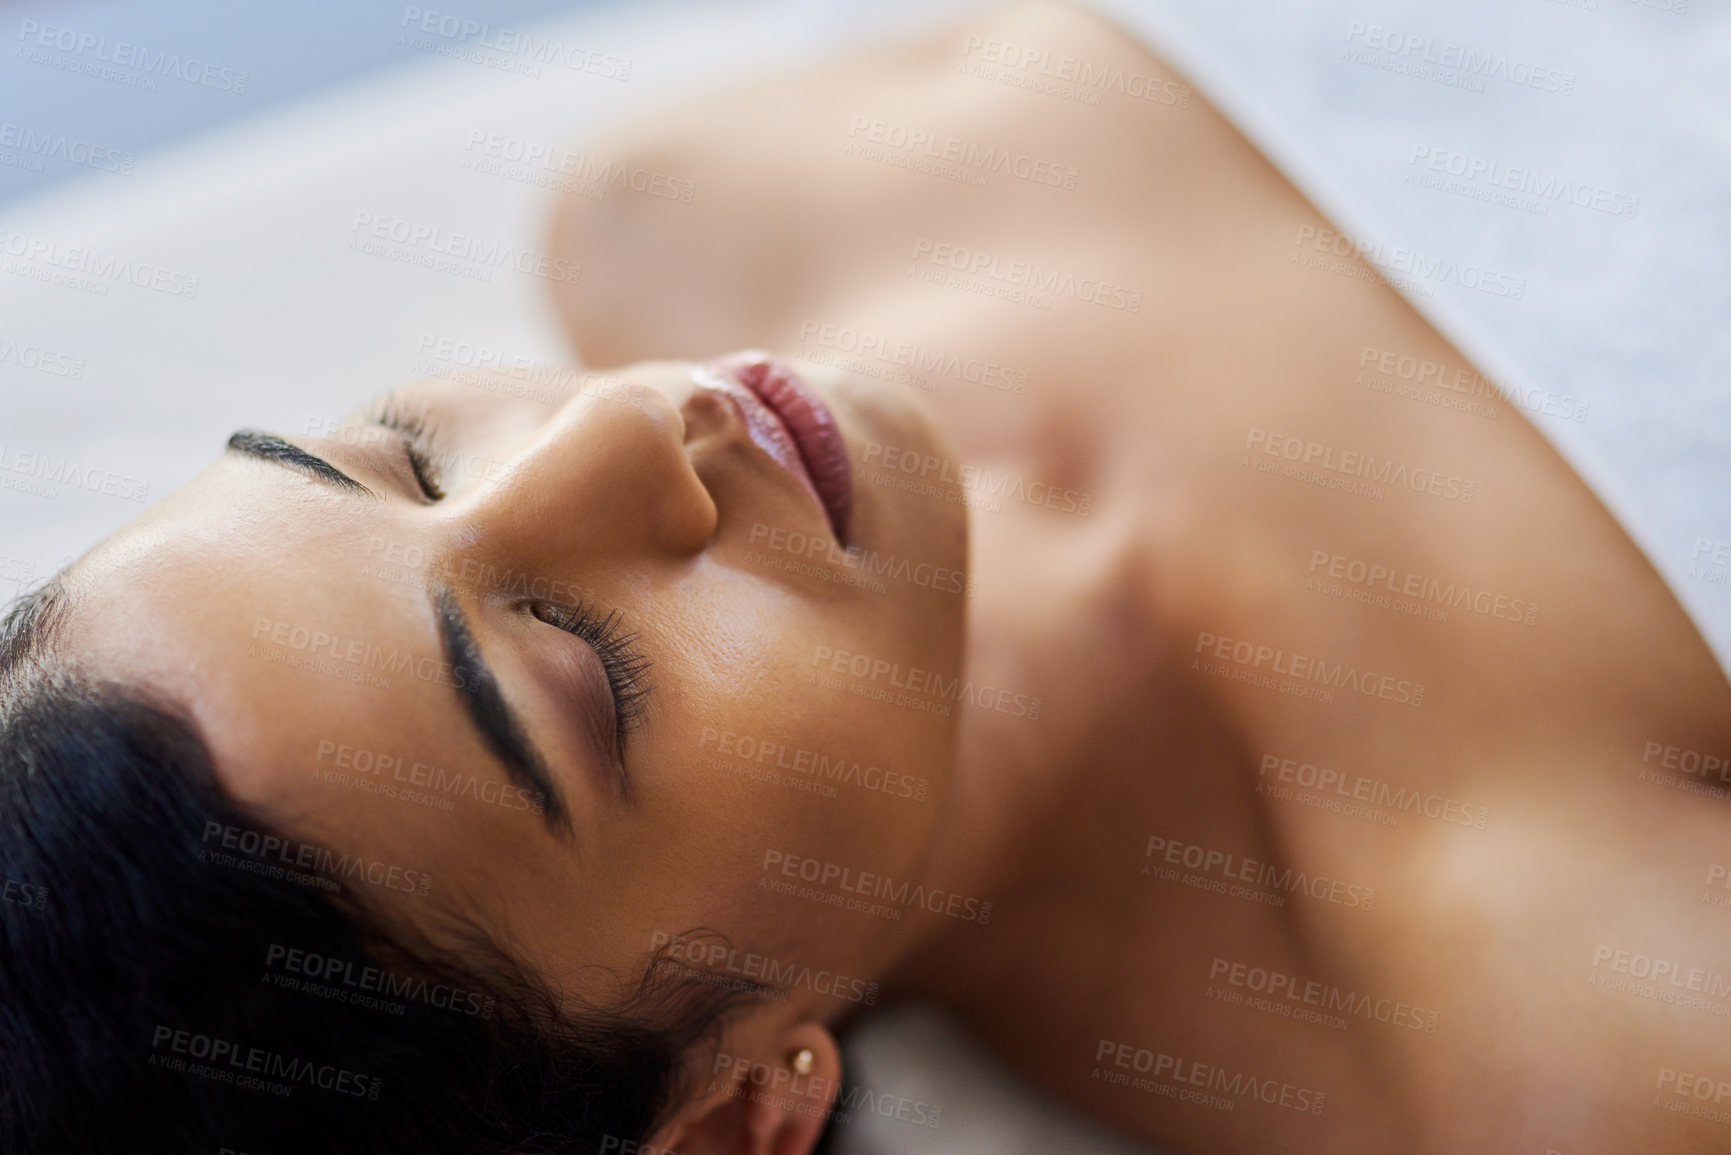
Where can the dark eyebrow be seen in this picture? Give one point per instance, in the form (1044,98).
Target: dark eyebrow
(499,725)
(270,447)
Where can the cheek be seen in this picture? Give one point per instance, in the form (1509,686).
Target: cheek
(861,678)
(787,726)
(816,791)
(816,747)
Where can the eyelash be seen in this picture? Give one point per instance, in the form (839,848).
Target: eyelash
(411,425)
(624,665)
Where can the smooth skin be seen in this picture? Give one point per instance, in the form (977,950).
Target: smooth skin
(1555,733)
(662,510)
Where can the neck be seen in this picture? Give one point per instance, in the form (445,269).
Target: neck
(1054,686)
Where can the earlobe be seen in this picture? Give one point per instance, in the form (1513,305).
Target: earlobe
(769,1103)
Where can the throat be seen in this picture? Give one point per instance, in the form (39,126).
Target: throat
(1062,689)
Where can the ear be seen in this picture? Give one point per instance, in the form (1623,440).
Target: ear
(759,1104)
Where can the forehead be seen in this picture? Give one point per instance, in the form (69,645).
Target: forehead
(173,595)
(246,599)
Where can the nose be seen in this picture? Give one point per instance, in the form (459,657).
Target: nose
(606,480)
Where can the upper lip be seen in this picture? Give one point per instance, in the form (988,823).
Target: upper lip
(788,421)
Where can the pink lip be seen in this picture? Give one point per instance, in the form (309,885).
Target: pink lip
(792,424)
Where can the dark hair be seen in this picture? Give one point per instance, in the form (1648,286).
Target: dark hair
(140,1009)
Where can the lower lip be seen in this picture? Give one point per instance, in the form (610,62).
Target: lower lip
(808,422)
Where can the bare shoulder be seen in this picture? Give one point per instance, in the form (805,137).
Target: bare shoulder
(806,185)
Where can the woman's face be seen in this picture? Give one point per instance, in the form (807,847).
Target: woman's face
(594,674)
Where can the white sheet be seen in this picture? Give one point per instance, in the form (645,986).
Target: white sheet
(289,326)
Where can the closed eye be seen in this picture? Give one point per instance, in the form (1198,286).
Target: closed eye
(411,424)
(626,668)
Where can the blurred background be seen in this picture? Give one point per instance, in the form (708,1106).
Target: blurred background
(274,53)
(225,148)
